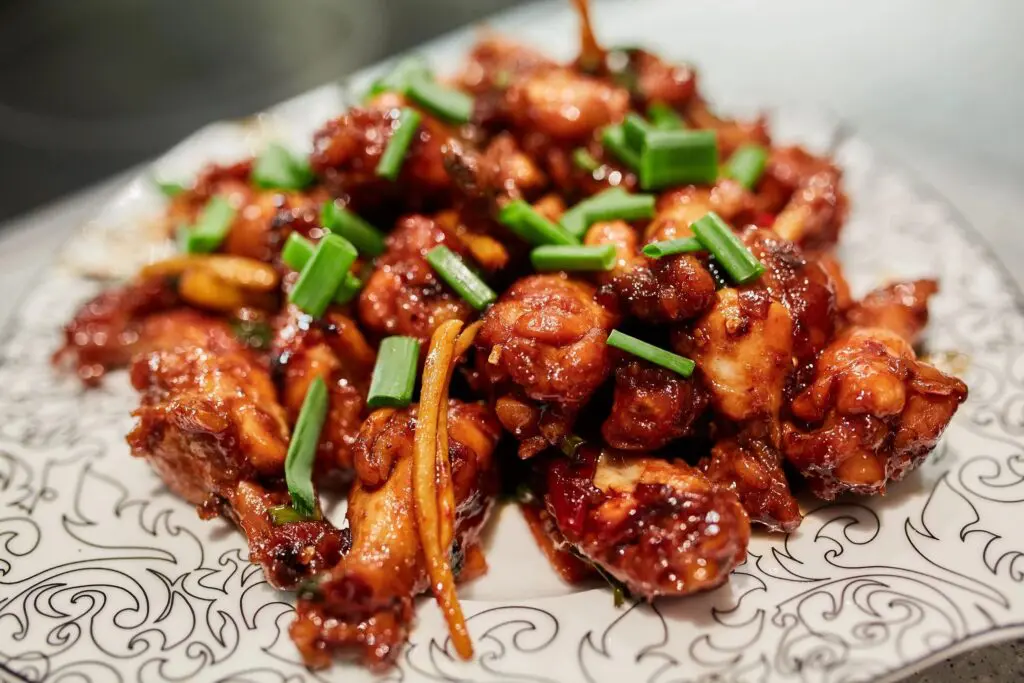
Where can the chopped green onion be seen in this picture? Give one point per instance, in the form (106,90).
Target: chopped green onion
(664,117)
(523,220)
(574,258)
(170,189)
(277,169)
(398,79)
(210,228)
(297,252)
(286,514)
(349,289)
(391,160)
(394,374)
(716,235)
(584,160)
(676,157)
(614,140)
(298,464)
(322,275)
(255,334)
(454,271)
(683,245)
(612,204)
(641,349)
(363,236)
(746,165)
(635,129)
(451,105)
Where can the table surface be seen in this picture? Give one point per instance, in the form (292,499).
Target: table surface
(980,171)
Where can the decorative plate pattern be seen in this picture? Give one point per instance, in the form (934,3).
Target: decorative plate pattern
(105,576)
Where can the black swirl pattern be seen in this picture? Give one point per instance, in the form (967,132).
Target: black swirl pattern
(104,576)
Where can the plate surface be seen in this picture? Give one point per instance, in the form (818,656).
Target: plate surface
(105,576)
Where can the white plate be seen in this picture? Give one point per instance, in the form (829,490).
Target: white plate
(105,576)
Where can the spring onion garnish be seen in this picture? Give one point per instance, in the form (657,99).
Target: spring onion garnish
(285,514)
(322,275)
(363,236)
(612,204)
(297,252)
(391,160)
(574,258)
(256,334)
(451,105)
(664,117)
(454,271)
(277,169)
(683,245)
(730,252)
(523,220)
(614,140)
(649,352)
(210,228)
(676,157)
(394,374)
(169,189)
(584,160)
(634,129)
(349,289)
(298,464)
(746,165)
(398,79)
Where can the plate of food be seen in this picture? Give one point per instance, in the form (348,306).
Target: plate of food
(493,365)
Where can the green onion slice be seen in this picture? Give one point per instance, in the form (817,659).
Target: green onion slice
(390,164)
(298,464)
(584,160)
(394,374)
(525,221)
(746,165)
(664,117)
(727,248)
(612,204)
(170,189)
(297,252)
(349,289)
(322,275)
(451,105)
(677,157)
(210,228)
(634,130)
(574,258)
(649,352)
(614,140)
(683,245)
(278,169)
(454,271)
(398,79)
(363,236)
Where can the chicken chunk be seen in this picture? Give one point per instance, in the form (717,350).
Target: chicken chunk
(901,307)
(872,414)
(366,602)
(494,62)
(815,204)
(404,295)
(652,407)
(731,133)
(563,105)
(660,527)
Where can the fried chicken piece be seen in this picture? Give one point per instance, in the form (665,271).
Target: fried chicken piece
(816,205)
(105,332)
(404,295)
(743,348)
(333,349)
(347,149)
(366,602)
(500,171)
(661,527)
(655,80)
(680,207)
(544,341)
(901,307)
(564,106)
(652,407)
(873,413)
(753,470)
(731,133)
(494,62)
(260,214)
(831,265)
(669,289)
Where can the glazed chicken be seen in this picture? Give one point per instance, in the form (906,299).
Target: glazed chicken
(652,371)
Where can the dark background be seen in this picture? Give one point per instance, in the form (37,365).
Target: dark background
(91,87)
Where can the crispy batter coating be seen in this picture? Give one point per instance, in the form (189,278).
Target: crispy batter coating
(753,470)
(333,349)
(816,206)
(404,295)
(652,407)
(564,106)
(901,307)
(365,602)
(872,413)
(661,527)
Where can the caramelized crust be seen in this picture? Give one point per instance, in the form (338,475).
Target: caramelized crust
(901,307)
